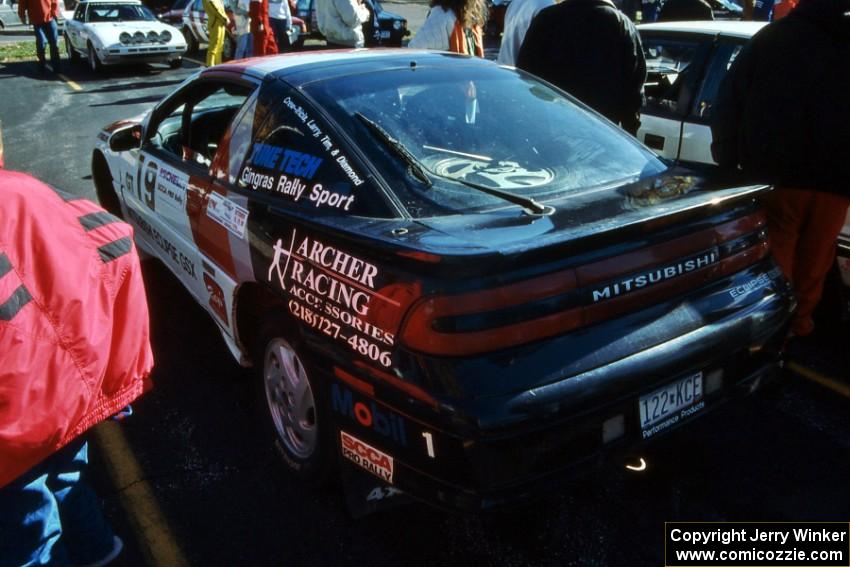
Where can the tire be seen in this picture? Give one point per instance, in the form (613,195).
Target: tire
(228,49)
(191,42)
(94,63)
(73,56)
(290,403)
(176,63)
(103,185)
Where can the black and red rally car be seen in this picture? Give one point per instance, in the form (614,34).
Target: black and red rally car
(449,274)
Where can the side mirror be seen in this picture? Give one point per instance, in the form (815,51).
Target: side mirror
(126,139)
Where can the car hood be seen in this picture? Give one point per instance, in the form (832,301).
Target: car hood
(590,215)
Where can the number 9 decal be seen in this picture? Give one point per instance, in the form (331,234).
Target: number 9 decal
(150,185)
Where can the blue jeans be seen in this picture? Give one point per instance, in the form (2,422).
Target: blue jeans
(47,33)
(244,44)
(50,516)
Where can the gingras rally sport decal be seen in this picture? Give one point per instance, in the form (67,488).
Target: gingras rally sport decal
(332,292)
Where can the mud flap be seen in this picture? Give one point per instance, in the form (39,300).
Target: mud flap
(365,493)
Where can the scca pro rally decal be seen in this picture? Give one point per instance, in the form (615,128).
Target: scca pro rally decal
(161,186)
(365,456)
(228,214)
(332,292)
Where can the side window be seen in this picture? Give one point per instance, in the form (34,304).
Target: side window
(245,124)
(79,13)
(296,158)
(724,56)
(673,67)
(193,127)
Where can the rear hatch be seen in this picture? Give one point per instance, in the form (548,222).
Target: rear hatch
(503,284)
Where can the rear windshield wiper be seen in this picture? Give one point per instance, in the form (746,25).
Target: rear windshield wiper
(416,167)
(529,205)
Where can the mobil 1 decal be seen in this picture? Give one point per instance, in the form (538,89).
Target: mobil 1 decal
(335,293)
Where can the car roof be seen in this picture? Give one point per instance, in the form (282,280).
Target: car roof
(732,28)
(300,67)
(111,1)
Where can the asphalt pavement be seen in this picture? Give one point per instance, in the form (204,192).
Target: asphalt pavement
(190,479)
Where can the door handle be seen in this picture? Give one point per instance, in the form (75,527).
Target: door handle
(653,141)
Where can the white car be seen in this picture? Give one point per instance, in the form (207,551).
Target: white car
(107,32)
(686,61)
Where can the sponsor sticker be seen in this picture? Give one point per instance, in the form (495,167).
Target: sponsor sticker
(228,214)
(367,457)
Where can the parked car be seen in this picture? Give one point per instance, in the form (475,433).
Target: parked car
(721,9)
(110,32)
(686,61)
(384,29)
(450,276)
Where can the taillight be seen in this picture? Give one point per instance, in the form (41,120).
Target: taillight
(520,313)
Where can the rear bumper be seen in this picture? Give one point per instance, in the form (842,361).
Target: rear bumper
(523,444)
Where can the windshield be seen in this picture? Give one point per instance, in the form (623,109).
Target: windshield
(119,13)
(481,125)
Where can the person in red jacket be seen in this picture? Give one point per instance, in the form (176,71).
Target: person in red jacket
(42,16)
(75,350)
(264,43)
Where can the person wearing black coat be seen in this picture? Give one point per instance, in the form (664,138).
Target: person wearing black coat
(782,116)
(685,10)
(591,50)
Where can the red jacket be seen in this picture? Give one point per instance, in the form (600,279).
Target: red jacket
(74,336)
(40,11)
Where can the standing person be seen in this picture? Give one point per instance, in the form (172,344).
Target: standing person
(261,31)
(42,15)
(242,28)
(685,10)
(216,24)
(280,18)
(593,51)
(781,116)
(74,342)
(453,25)
(341,22)
(782,8)
(517,19)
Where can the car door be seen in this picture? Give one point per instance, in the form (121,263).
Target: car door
(198,17)
(173,167)
(74,26)
(696,130)
(675,64)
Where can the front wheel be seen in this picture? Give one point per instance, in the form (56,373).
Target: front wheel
(94,62)
(176,63)
(73,56)
(294,416)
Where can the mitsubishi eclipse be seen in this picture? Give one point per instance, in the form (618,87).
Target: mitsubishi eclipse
(451,277)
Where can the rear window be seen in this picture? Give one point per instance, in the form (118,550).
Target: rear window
(484,125)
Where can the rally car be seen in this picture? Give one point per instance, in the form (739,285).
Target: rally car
(451,277)
(109,32)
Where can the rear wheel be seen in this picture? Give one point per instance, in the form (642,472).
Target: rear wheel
(294,417)
(176,63)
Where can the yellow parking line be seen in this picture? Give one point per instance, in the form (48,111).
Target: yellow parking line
(71,83)
(826,381)
(156,541)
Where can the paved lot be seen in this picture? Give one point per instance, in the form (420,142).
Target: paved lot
(217,495)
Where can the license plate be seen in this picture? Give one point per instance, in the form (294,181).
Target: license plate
(385,34)
(669,400)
